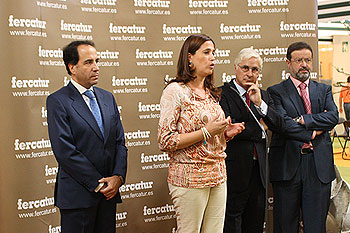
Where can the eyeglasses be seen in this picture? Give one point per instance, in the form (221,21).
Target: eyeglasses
(254,69)
(301,60)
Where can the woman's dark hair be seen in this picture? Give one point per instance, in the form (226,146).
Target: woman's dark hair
(184,73)
(348,79)
(71,54)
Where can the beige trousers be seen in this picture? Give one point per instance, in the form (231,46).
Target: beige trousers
(199,210)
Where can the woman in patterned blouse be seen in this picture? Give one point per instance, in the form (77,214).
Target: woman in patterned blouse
(193,130)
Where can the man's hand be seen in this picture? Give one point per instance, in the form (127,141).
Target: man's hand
(316,133)
(262,122)
(254,93)
(111,186)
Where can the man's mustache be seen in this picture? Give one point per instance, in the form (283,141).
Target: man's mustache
(304,69)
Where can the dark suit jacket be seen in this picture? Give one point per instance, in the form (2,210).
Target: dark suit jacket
(240,150)
(83,155)
(285,147)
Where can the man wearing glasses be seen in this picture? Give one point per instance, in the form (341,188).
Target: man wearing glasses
(301,157)
(246,152)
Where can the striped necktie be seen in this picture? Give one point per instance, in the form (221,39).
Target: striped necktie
(304,98)
(95,109)
(307,106)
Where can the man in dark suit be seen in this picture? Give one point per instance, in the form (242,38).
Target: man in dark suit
(301,158)
(246,152)
(87,139)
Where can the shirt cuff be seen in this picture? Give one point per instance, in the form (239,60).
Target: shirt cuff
(262,109)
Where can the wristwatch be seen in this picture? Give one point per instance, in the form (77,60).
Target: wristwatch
(298,119)
(121,179)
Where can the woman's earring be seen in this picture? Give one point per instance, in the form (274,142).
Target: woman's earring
(190,65)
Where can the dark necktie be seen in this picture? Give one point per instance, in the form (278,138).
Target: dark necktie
(247,100)
(95,109)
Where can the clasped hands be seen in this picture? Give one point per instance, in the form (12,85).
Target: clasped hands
(216,126)
(111,186)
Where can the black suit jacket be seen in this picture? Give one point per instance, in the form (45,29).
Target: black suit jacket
(285,147)
(84,156)
(240,150)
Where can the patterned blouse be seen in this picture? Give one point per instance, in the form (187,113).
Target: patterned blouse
(183,111)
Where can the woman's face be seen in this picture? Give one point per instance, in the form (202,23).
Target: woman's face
(203,60)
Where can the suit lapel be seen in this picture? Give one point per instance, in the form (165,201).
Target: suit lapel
(294,96)
(105,110)
(313,94)
(83,110)
(255,111)
(239,101)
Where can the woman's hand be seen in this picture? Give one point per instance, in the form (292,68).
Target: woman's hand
(234,129)
(216,126)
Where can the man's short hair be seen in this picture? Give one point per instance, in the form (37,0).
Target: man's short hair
(247,53)
(71,54)
(297,46)
(348,79)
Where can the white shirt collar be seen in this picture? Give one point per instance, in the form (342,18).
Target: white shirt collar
(296,82)
(240,89)
(80,88)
